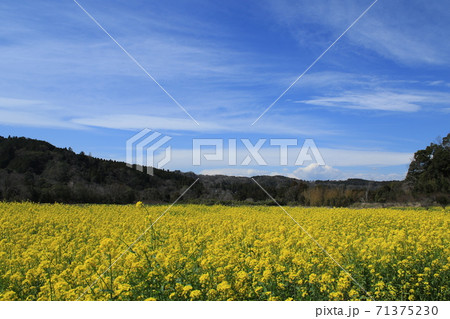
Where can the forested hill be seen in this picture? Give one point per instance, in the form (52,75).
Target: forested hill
(40,172)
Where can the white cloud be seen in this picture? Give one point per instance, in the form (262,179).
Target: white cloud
(136,122)
(386,100)
(33,113)
(6,102)
(383,101)
(35,119)
(346,158)
(237,122)
(314,172)
(47,114)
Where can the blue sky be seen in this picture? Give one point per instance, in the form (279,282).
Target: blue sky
(369,103)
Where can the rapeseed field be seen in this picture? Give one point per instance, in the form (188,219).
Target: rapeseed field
(198,252)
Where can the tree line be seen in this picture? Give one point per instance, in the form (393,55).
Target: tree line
(33,170)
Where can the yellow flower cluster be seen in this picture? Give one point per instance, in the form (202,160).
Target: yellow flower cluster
(196,252)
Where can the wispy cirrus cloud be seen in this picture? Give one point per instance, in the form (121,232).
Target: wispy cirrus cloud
(407,32)
(406,101)
(35,120)
(7,102)
(33,113)
(136,122)
(236,123)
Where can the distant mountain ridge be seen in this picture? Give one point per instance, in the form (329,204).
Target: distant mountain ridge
(34,170)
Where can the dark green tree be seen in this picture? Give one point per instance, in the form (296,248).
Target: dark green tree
(429,172)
